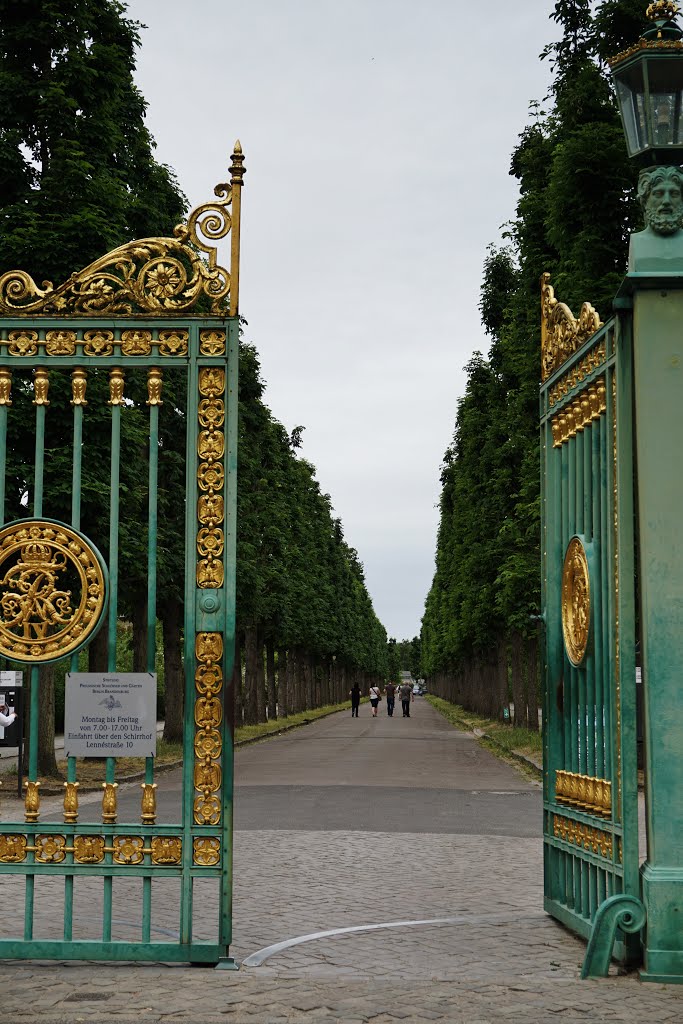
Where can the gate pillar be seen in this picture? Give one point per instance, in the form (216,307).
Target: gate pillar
(658,392)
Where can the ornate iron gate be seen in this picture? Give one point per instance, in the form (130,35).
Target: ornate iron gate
(590,764)
(160,304)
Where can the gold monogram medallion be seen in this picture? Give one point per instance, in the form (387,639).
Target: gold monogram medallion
(52,590)
(575,601)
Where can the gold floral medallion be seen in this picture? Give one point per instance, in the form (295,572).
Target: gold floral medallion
(52,590)
(575,601)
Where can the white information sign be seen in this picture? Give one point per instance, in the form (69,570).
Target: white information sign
(112,715)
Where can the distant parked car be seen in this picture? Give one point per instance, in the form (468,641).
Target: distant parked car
(416,690)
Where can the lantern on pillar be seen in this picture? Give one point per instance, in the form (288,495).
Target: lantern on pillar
(648,78)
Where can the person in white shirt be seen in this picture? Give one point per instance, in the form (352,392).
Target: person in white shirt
(374,699)
(6,716)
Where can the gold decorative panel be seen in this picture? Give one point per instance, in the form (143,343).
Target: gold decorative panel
(585,792)
(208,715)
(561,333)
(591,361)
(89,849)
(210,506)
(50,849)
(206,851)
(93,342)
(12,849)
(575,601)
(575,832)
(166,849)
(52,591)
(129,849)
(212,343)
(589,405)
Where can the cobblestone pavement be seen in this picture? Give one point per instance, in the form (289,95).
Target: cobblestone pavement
(498,957)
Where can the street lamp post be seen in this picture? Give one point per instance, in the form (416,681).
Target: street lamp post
(649,86)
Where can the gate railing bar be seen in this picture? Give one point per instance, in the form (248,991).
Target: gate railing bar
(189,647)
(116,380)
(563,487)
(627,615)
(78,400)
(580,674)
(571,673)
(40,387)
(610,710)
(231,387)
(152,526)
(605,506)
(6,391)
(596,695)
(589,683)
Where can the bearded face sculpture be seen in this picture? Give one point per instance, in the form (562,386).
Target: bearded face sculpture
(660,191)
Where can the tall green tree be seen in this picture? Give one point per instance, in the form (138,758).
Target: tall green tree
(77,178)
(575,210)
(77,171)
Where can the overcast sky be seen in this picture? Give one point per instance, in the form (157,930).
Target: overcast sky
(377,136)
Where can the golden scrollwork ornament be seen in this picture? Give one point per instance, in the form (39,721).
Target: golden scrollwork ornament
(53,590)
(561,332)
(575,601)
(156,276)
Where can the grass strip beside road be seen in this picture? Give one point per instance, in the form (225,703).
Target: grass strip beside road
(502,739)
(90,772)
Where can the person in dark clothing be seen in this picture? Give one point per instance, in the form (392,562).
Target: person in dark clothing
(355,700)
(406,698)
(390,691)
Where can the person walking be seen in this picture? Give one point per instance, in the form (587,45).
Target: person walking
(355,700)
(406,698)
(375,696)
(390,694)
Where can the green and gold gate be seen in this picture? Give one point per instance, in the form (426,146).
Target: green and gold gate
(154,308)
(590,805)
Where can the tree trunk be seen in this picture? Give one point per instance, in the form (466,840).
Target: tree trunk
(270,677)
(171,612)
(140,633)
(307,680)
(251,652)
(293,681)
(519,717)
(238,703)
(260,679)
(47,762)
(97,651)
(283,683)
(533,689)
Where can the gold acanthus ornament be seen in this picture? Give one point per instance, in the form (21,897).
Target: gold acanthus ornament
(149,803)
(561,332)
(109,803)
(71,801)
(5,387)
(79,382)
(154,385)
(157,276)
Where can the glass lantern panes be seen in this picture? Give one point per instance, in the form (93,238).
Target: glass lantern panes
(650,95)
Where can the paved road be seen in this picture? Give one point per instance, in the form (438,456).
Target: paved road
(366,774)
(404,824)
